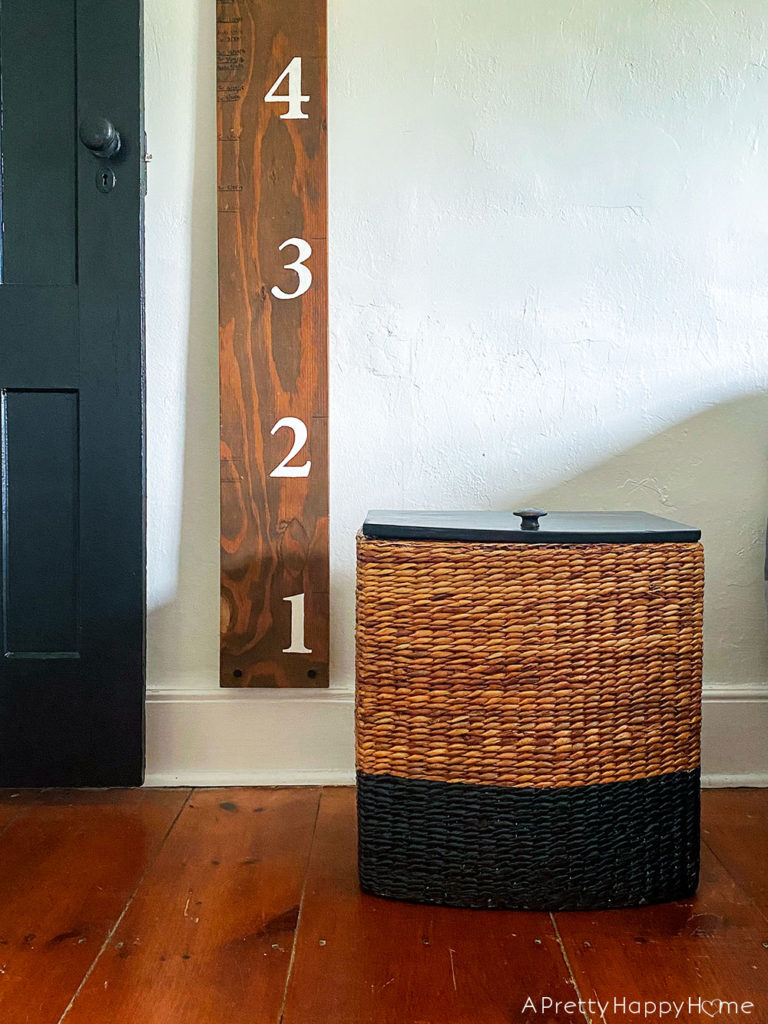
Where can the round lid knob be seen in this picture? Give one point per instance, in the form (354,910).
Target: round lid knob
(100,136)
(530,517)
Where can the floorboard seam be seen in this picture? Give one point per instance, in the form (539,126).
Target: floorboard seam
(301,908)
(745,893)
(571,974)
(124,911)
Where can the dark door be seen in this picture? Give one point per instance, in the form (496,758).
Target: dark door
(71,384)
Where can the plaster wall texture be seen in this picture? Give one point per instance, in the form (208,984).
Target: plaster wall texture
(548,284)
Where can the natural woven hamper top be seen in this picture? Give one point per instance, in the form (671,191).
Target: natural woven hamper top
(542,665)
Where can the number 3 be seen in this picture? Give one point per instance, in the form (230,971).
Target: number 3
(305,274)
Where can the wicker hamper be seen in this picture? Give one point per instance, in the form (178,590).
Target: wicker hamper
(528,708)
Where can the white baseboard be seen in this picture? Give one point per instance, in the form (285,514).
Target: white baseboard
(747,780)
(735,736)
(305,737)
(269,777)
(250,738)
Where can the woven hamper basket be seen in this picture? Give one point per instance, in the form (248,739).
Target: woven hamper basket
(528,709)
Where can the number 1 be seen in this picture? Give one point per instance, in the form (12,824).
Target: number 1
(297,626)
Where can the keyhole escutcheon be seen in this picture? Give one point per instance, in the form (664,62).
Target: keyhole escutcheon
(105,179)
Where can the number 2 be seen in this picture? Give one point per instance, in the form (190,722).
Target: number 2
(305,274)
(300,435)
(294,99)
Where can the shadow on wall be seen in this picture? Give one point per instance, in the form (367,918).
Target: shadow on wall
(710,471)
(183,634)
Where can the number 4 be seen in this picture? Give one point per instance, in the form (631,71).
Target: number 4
(294,99)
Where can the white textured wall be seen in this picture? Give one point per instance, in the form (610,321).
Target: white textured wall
(549,282)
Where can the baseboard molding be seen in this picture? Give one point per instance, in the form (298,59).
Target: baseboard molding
(242,697)
(748,780)
(250,737)
(266,777)
(305,737)
(756,693)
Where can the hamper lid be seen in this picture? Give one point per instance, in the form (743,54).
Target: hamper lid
(528,526)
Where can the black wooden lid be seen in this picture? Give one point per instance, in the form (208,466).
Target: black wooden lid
(556,528)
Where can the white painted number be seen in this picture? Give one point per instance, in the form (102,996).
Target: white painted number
(300,435)
(305,274)
(294,99)
(297,626)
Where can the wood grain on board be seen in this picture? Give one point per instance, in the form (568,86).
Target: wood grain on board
(208,937)
(245,907)
(71,861)
(734,825)
(273,352)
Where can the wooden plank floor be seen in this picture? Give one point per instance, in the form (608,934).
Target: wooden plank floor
(241,905)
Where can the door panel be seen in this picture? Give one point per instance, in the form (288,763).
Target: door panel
(41,502)
(72,388)
(28,315)
(38,147)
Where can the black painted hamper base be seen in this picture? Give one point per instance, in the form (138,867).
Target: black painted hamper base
(619,844)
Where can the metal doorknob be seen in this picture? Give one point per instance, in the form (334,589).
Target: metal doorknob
(100,136)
